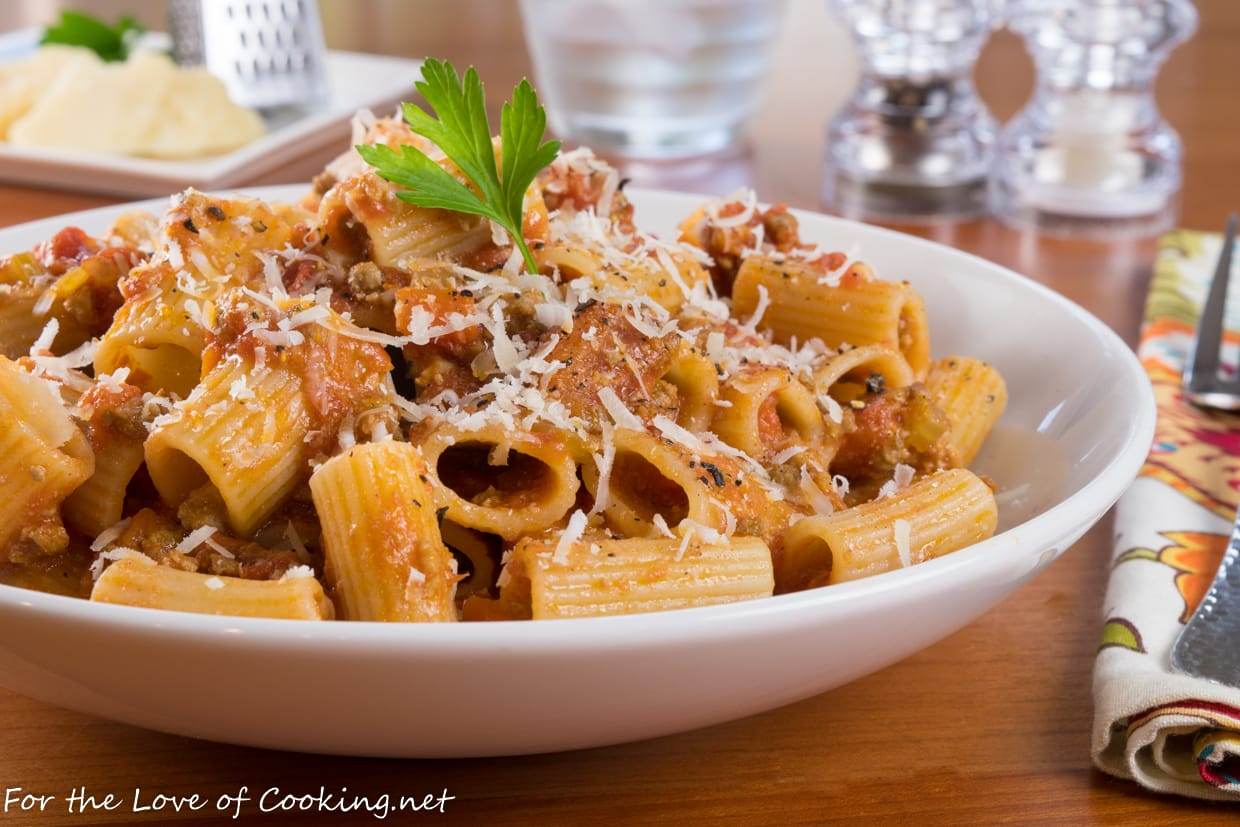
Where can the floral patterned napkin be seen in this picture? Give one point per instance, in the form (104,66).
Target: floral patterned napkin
(1165,730)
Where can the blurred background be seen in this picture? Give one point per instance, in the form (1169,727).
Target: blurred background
(813,71)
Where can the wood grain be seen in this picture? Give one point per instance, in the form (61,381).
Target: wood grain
(989,726)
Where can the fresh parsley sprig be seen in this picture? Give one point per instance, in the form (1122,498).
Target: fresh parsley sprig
(460,128)
(111,43)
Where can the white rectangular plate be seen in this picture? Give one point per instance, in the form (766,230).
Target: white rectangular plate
(356,81)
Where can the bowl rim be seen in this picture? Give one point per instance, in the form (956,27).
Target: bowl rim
(757,616)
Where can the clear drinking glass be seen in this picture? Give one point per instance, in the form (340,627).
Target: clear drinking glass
(1091,153)
(915,140)
(651,79)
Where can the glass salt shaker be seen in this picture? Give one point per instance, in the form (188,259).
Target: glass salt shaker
(1091,153)
(915,140)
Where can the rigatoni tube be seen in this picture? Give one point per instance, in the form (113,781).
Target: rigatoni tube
(135,582)
(973,395)
(158,336)
(769,409)
(631,576)
(385,557)
(651,480)
(932,517)
(250,449)
(99,501)
(500,481)
(43,455)
(857,310)
(844,375)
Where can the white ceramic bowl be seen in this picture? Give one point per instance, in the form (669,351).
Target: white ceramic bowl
(1076,430)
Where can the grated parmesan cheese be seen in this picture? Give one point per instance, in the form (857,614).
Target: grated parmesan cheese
(604,463)
(840,483)
(764,301)
(571,534)
(298,573)
(294,539)
(661,525)
(219,549)
(554,315)
(43,344)
(900,480)
(44,303)
(109,534)
(814,495)
(787,454)
(833,409)
(685,539)
(239,390)
(194,539)
(281,338)
(616,409)
(902,531)
(746,197)
(113,554)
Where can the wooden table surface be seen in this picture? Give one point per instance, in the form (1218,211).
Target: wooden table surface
(990,725)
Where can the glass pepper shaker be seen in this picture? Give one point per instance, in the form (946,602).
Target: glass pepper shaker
(914,140)
(1091,152)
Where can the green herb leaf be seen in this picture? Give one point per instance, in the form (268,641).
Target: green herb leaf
(460,128)
(111,43)
(430,184)
(522,153)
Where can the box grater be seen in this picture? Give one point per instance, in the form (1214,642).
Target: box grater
(268,53)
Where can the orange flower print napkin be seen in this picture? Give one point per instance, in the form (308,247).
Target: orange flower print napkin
(1165,730)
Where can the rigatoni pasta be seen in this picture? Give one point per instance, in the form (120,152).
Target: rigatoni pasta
(244,431)
(205,247)
(384,554)
(362,409)
(973,395)
(645,486)
(851,373)
(855,308)
(131,582)
(768,409)
(493,481)
(43,457)
(632,576)
(111,413)
(937,515)
(158,336)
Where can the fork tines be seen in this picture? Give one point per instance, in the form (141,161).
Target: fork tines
(1202,383)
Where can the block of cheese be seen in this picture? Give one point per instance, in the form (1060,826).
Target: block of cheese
(23,81)
(200,119)
(146,106)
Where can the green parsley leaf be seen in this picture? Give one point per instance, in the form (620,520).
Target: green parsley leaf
(111,43)
(460,128)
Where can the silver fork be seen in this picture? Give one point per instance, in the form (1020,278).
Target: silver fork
(1207,646)
(1202,384)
